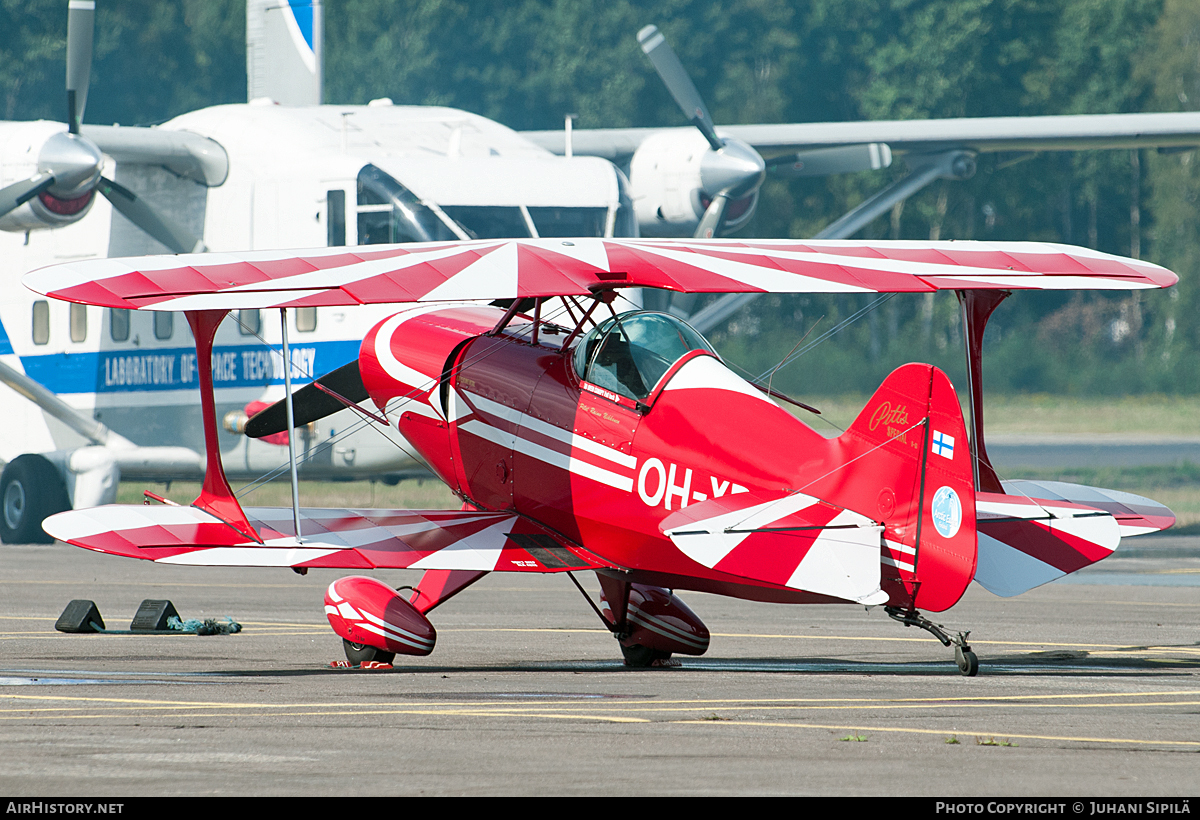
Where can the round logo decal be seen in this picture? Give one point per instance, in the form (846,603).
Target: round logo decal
(947,512)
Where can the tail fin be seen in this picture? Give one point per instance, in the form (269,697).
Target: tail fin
(284,51)
(908,465)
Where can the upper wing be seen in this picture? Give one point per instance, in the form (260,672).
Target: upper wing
(347,539)
(979,134)
(517,268)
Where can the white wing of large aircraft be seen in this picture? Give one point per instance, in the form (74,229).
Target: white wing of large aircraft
(99,394)
(704,180)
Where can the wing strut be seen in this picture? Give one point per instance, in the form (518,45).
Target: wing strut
(216,496)
(977,307)
(291,423)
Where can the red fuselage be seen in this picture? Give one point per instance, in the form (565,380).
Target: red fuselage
(511,424)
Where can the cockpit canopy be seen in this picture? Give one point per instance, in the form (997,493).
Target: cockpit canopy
(628,354)
(595,204)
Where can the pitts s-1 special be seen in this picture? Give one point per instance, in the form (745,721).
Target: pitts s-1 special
(621,443)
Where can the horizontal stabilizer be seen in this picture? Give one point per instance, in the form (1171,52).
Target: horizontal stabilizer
(795,540)
(347,539)
(1026,542)
(1136,515)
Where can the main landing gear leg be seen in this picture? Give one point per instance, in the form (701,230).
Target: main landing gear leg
(617,622)
(968,663)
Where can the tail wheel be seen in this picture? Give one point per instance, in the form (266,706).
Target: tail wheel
(358,653)
(31,490)
(968,662)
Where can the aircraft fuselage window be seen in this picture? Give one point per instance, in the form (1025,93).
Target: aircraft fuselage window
(164,325)
(118,324)
(335,218)
(78,317)
(630,353)
(306,319)
(41,322)
(249,322)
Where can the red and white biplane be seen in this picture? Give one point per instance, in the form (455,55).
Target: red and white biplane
(621,443)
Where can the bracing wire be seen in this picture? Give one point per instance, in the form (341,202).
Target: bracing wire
(321,448)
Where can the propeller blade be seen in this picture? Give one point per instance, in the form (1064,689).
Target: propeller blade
(713,219)
(142,215)
(15,195)
(310,403)
(80,22)
(677,81)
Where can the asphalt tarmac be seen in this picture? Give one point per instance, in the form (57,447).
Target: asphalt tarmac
(1088,688)
(1012,452)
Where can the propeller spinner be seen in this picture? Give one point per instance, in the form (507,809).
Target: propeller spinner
(69,164)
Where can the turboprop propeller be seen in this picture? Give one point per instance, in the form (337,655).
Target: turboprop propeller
(731,168)
(69,164)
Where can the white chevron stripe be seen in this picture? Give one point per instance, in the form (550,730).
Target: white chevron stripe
(554,458)
(639,616)
(392,630)
(524,421)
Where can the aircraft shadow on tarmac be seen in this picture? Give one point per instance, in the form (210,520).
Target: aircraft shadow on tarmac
(1113,663)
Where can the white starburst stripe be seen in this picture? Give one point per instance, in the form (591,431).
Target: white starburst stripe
(246,557)
(479,551)
(770,279)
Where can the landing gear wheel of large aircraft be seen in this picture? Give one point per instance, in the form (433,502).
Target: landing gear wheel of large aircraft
(642,657)
(360,653)
(30,491)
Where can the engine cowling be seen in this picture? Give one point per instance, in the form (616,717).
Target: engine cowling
(29,148)
(671,188)
(402,361)
(367,611)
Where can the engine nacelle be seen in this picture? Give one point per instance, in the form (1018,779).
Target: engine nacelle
(667,182)
(29,148)
(659,620)
(366,611)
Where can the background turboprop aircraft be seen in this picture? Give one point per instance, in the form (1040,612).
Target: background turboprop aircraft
(285,171)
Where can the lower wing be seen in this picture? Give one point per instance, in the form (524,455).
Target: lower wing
(331,538)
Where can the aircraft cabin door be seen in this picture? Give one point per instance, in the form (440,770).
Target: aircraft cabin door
(493,377)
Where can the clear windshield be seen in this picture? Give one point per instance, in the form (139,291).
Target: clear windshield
(628,354)
(388,212)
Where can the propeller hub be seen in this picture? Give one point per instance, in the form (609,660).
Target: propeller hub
(75,163)
(734,171)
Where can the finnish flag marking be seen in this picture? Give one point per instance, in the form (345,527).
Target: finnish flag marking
(943,444)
